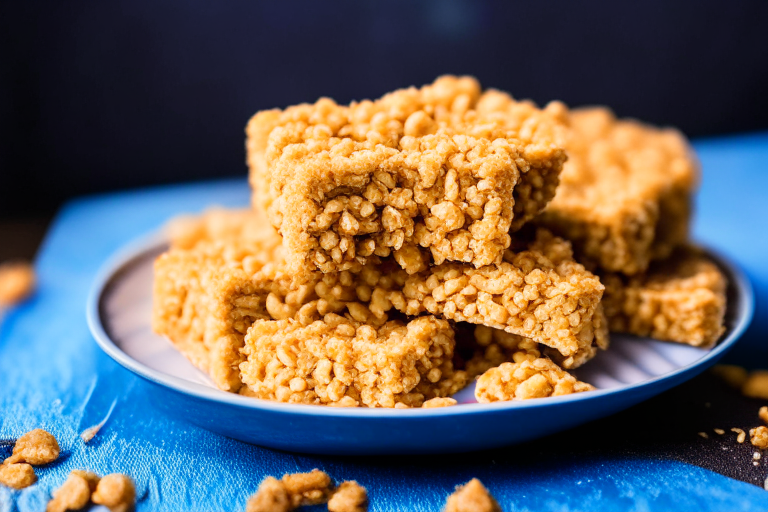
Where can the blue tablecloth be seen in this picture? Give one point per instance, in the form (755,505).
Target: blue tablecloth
(52,375)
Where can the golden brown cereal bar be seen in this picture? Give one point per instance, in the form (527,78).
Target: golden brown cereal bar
(337,358)
(421,168)
(625,192)
(680,299)
(527,377)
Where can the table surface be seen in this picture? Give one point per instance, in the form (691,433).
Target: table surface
(52,375)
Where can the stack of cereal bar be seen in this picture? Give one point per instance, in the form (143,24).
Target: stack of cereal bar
(397,249)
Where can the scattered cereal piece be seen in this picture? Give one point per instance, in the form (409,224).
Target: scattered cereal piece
(17,281)
(17,476)
(704,435)
(763,413)
(757,456)
(310,488)
(741,437)
(537,378)
(756,385)
(88,476)
(74,494)
(438,402)
(36,447)
(116,492)
(471,497)
(759,437)
(270,497)
(733,375)
(719,431)
(349,497)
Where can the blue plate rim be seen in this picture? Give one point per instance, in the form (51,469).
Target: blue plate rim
(154,241)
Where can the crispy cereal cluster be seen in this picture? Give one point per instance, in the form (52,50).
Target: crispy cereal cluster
(471,497)
(625,193)
(443,167)
(527,377)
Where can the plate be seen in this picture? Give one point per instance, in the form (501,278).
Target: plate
(633,370)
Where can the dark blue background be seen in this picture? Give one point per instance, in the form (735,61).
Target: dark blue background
(99,95)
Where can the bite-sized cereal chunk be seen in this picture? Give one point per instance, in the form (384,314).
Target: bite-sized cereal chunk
(758,436)
(17,282)
(471,497)
(17,476)
(417,171)
(526,378)
(337,359)
(625,192)
(680,299)
(349,497)
(433,403)
(763,414)
(271,496)
(310,488)
(36,447)
(117,492)
(74,494)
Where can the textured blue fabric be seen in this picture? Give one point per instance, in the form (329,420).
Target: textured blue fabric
(52,375)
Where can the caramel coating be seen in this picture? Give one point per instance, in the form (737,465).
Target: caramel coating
(270,497)
(529,378)
(443,167)
(117,492)
(337,359)
(625,192)
(758,436)
(17,282)
(681,299)
(36,447)
(349,497)
(74,494)
(17,476)
(471,497)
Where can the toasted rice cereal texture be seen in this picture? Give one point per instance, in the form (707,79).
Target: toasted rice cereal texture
(36,447)
(681,299)
(444,168)
(337,359)
(527,377)
(625,192)
(17,476)
(471,497)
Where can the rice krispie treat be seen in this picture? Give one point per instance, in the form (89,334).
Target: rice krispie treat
(337,359)
(527,377)
(625,192)
(680,299)
(417,169)
(208,254)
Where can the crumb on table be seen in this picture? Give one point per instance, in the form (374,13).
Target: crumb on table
(17,476)
(471,497)
(763,414)
(17,282)
(741,436)
(74,494)
(758,436)
(756,385)
(117,492)
(349,497)
(292,491)
(271,496)
(36,447)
